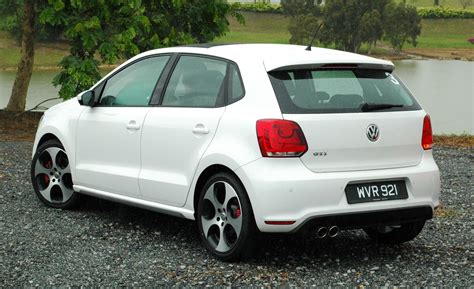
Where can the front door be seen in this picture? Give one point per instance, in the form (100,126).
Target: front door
(109,134)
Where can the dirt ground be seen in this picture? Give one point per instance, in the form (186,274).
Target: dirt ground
(443,53)
(18,126)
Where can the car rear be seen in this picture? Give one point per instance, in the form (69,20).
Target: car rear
(352,150)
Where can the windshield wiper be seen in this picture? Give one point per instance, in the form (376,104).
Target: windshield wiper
(365,107)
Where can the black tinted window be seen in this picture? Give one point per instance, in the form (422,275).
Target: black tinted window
(196,82)
(134,84)
(332,91)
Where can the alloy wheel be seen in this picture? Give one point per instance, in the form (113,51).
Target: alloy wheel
(52,175)
(221,217)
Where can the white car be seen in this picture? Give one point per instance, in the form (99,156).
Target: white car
(247,138)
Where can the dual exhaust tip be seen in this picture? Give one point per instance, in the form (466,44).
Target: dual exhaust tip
(331,232)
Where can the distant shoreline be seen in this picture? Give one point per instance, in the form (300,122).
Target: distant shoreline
(402,56)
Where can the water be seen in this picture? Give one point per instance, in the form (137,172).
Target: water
(444,88)
(39,90)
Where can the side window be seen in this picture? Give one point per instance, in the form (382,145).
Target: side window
(196,82)
(134,85)
(236,88)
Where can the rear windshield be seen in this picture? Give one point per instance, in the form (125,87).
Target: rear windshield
(340,91)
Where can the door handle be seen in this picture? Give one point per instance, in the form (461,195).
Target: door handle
(200,129)
(133,125)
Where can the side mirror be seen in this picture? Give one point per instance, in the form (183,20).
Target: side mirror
(86,98)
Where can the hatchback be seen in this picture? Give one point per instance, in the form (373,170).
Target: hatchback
(247,139)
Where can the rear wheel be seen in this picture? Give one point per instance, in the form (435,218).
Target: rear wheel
(51,176)
(225,218)
(395,234)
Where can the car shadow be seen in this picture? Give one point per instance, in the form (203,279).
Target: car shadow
(287,251)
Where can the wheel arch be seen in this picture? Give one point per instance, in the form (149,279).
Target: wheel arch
(46,137)
(206,174)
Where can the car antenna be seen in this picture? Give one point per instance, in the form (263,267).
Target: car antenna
(314,36)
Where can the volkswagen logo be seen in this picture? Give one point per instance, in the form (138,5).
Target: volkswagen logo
(373,132)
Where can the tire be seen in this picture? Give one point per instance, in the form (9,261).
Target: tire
(395,235)
(51,176)
(223,207)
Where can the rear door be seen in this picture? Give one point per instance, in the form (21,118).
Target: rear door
(353,119)
(179,129)
(109,134)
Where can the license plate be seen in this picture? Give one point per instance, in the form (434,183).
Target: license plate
(376,191)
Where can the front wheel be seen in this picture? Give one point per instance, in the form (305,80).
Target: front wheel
(225,218)
(51,176)
(395,234)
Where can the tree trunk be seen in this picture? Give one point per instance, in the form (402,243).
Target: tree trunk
(25,66)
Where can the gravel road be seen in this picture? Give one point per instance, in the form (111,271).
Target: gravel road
(102,243)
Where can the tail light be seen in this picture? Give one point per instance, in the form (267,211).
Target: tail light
(280,138)
(427,137)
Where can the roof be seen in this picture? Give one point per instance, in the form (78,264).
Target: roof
(275,56)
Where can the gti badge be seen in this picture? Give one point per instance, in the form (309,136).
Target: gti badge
(373,132)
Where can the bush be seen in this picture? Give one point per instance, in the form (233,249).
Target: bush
(437,12)
(259,7)
(442,12)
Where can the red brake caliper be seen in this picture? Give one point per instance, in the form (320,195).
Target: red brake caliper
(46,179)
(47,165)
(237,211)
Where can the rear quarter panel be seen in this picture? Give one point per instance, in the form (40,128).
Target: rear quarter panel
(235,143)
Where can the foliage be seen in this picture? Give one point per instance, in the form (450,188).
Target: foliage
(258,7)
(347,24)
(371,27)
(11,13)
(443,12)
(292,10)
(117,29)
(343,22)
(303,36)
(402,24)
(301,7)
(304,22)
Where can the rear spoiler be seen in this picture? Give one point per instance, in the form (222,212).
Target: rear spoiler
(320,66)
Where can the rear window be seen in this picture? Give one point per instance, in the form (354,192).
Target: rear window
(340,90)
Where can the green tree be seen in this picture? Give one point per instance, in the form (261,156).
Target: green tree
(342,21)
(304,19)
(371,27)
(115,29)
(402,24)
(20,18)
(108,29)
(301,7)
(303,36)
(104,32)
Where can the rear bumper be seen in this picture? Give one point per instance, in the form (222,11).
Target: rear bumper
(285,190)
(369,219)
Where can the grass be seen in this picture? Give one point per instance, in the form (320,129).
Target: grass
(272,28)
(258,28)
(437,35)
(46,54)
(430,3)
(446,33)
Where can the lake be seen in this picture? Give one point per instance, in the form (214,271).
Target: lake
(445,89)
